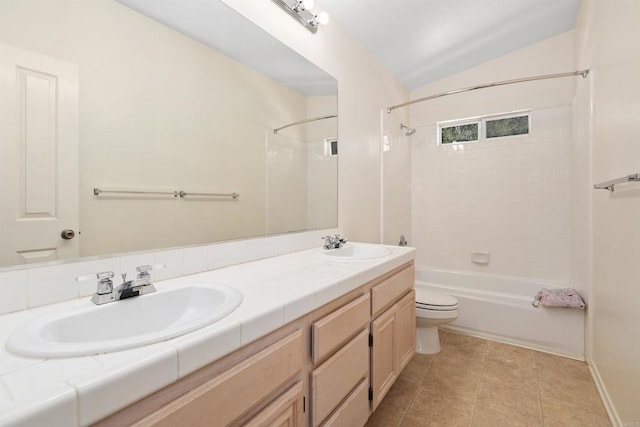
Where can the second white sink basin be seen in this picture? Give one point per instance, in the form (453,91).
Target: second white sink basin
(124,324)
(357,252)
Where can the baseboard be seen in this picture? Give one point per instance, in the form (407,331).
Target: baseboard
(500,338)
(606,400)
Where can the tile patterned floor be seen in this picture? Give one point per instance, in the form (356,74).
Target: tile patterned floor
(476,382)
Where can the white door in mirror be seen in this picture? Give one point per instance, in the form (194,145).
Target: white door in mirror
(125,324)
(39,145)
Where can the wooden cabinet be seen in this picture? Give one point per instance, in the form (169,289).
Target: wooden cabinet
(335,329)
(285,411)
(223,399)
(393,345)
(334,380)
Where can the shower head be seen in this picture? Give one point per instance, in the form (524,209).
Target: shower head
(408,131)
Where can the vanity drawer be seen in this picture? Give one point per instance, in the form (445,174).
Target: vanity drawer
(390,290)
(354,411)
(333,330)
(223,399)
(286,410)
(335,378)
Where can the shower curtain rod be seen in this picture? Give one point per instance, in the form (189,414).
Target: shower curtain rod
(583,73)
(304,121)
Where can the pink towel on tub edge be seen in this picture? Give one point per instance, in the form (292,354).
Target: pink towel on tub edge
(564,297)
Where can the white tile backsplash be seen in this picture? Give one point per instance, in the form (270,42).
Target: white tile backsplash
(13,291)
(194,259)
(51,284)
(22,288)
(168,264)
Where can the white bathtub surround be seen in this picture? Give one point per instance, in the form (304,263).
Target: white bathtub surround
(510,196)
(82,390)
(499,308)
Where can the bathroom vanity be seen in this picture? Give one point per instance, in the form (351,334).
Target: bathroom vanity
(331,367)
(315,342)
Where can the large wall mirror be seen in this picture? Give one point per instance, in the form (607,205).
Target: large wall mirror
(144,124)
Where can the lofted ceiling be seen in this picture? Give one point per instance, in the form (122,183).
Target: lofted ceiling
(421,41)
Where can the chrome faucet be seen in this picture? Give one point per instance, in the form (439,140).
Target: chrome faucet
(139,286)
(333,242)
(129,288)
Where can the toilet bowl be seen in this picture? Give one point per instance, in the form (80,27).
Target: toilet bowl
(432,309)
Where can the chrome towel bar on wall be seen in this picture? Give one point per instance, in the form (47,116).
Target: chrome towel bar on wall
(610,185)
(178,193)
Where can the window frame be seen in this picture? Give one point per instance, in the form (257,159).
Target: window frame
(459,122)
(482,126)
(523,113)
(328,150)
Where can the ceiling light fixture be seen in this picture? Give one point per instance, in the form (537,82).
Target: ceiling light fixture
(300,10)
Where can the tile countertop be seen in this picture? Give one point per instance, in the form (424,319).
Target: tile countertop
(83,390)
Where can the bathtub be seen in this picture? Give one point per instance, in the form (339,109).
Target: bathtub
(499,308)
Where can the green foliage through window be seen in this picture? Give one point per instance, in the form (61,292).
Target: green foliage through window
(459,133)
(507,127)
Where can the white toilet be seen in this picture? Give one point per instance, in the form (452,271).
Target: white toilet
(432,309)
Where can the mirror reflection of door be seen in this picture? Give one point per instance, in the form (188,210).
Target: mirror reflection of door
(39,152)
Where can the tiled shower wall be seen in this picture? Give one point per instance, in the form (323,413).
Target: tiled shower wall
(508,196)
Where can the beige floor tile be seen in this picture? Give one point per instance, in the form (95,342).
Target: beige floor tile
(400,396)
(454,377)
(383,418)
(436,409)
(417,368)
(505,385)
(517,375)
(552,365)
(506,395)
(510,354)
(572,390)
(485,417)
(563,414)
(463,344)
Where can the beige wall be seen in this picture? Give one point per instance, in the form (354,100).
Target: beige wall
(365,87)
(607,37)
(509,196)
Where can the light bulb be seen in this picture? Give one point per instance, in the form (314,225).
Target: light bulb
(303,5)
(321,19)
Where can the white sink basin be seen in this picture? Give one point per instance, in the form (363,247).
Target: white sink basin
(128,323)
(356,252)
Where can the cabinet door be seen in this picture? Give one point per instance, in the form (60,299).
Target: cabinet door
(394,344)
(384,358)
(406,329)
(285,411)
(223,399)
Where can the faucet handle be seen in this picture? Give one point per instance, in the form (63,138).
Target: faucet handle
(144,268)
(105,285)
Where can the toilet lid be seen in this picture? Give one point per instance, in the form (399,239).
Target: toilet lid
(435,300)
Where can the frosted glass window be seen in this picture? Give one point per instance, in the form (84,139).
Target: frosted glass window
(509,126)
(459,133)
